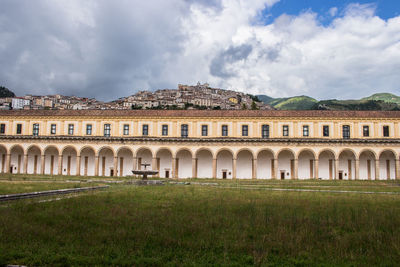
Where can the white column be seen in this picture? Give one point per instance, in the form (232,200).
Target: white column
(96,165)
(78,165)
(214,168)
(194,167)
(42,164)
(357,169)
(377,169)
(234,161)
(254,169)
(60,159)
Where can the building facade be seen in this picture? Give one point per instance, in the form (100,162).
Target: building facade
(231,144)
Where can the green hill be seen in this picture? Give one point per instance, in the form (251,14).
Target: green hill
(264,98)
(385,97)
(289,103)
(381,101)
(355,105)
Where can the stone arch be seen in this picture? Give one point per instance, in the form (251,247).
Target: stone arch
(69,147)
(347,158)
(244,163)
(106,156)
(204,149)
(224,149)
(327,151)
(326,164)
(368,151)
(164,162)
(3,158)
(17,160)
(387,164)
(394,153)
(204,163)
(34,146)
(225,163)
(306,150)
(183,149)
(88,158)
(286,164)
(367,162)
(69,160)
(125,147)
(103,148)
(34,159)
(265,163)
(144,155)
(124,161)
(246,149)
(306,164)
(51,154)
(184,163)
(86,148)
(347,149)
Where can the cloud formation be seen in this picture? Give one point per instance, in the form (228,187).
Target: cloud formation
(109,49)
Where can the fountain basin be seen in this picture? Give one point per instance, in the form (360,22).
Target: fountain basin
(144,173)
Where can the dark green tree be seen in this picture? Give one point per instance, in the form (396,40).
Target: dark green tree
(5,92)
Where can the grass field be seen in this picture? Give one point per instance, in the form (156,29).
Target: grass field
(233,223)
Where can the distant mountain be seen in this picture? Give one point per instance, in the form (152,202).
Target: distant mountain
(289,103)
(5,92)
(381,101)
(385,97)
(294,103)
(355,105)
(264,98)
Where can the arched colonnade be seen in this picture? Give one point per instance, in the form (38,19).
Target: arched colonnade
(203,162)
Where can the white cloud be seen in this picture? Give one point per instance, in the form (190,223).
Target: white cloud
(333,11)
(107,49)
(356,55)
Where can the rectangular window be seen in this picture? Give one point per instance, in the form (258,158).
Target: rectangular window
(35,130)
(346,131)
(88,129)
(165,130)
(2,128)
(107,130)
(184,130)
(285,130)
(204,130)
(70,129)
(224,130)
(145,129)
(126,129)
(365,130)
(19,128)
(265,131)
(306,130)
(245,130)
(325,130)
(53,129)
(386,131)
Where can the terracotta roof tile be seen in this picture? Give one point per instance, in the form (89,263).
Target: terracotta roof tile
(205,113)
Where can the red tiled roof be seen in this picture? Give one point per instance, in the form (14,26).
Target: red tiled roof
(205,113)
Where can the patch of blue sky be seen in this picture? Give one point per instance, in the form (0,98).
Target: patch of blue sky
(327,10)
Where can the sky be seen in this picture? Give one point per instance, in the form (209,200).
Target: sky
(110,49)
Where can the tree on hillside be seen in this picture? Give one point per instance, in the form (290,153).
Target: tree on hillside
(5,92)
(254,105)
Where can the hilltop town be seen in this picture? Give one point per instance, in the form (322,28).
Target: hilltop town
(200,96)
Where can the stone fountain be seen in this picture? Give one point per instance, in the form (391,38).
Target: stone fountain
(144,172)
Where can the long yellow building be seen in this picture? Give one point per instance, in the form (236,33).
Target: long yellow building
(230,144)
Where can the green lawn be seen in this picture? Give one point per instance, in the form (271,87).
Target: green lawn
(15,187)
(204,225)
